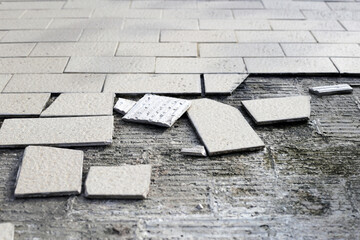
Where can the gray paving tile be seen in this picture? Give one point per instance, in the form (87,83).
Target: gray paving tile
(347,65)
(120,182)
(96,4)
(182,24)
(332,15)
(210,24)
(268,14)
(47,171)
(197,13)
(55,83)
(321,50)
(274,110)
(164,4)
(198,36)
(157,110)
(81,104)
(9,24)
(114,35)
(21,105)
(33,65)
(240,50)
(58,13)
(62,35)
(274,36)
(82,23)
(351,6)
(16,50)
(73,131)
(129,84)
(7,231)
(11,14)
(329,25)
(31,5)
(337,37)
(222,128)
(157,49)
(111,65)
(2,34)
(200,65)
(290,65)
(4,79)
(280,4)
(194,151)
(112,12)
(123,105)
(331,89)
(230,4)
(75,49)
(351,25)
(222,83)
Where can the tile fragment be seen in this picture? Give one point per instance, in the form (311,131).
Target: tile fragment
(222,128)
(332,89)
(120,182)
(223,83)
(274,110)
(7,231)
(48,171)
(123,105)
(157,110)
(194,151)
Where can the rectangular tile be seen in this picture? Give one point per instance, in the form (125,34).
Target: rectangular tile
(58,13)
(42,36)
(274,36)
(268,14)
(113,35)
(329,25)
(129,84)
(123,105)
(331,89)
(240,50)
(290,65)
(351,25)
(4,79)
(111,12)
(163,4)
(222,128)
(347,65)
(73,131)
(230,4)
(198,36)
(280,4)
(20,24)
(337,37)
(111,65)
(19,105)
(97,4)
(82,23)
(198,151)
(75,49)
(321,50)
(2,34)
(197,13)
(332,15)
(184,24)
(223,84)
(210,24)
(31,5)
(55,83)
(157,49)
(16,50)
(11,14)
(33,65)
(200,65)
(351,6)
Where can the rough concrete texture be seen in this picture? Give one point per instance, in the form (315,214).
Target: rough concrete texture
(120,182)
(6,231)
(81,104)
(22,105)
(274,110)
(47,171)
(304,185)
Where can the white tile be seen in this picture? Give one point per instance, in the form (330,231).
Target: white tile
(82,23)
(61,35)
(123,105)
(7,231)
(329,25)
(198,36)
(11,14)
(91,4)
(20,24)
(145,24)
(58,13)
(230,4)
(116,35)
(16,50)
(331,89)
(347,65)
(240,50)
(321,50)
(31,5)
(4,79)
(268,14)
(210,24)
(337,37)
(222,83)
(157,49)
(164,4)
(111,12)
(197,13)
(33,65)
(47,171)
(274,36)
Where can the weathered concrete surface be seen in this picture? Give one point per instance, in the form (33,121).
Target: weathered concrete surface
(305,185)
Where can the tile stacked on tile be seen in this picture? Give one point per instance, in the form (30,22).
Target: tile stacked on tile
(123,105)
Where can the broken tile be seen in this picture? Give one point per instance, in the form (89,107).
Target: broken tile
(332,89)
(23,104)
(47,171)
(7,231)
(274,110)
(55,83)
(223,83)
(222,128)
(73,131)
(81,104)
(121,182)
(157,110)
(129,84)
(194,151)
(124,105)
(4,79)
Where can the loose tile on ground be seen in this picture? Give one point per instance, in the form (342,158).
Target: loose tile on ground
(123,105)
(55,83)
(274,110)
(331,89)
(222,128)
(130,84)
(157,110)
(81,104)
(222,83)
(47,171)
(194,151)
(120,182)
(22,105)
(73,131)
(7,231)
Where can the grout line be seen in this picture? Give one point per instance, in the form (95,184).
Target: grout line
(202,82)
